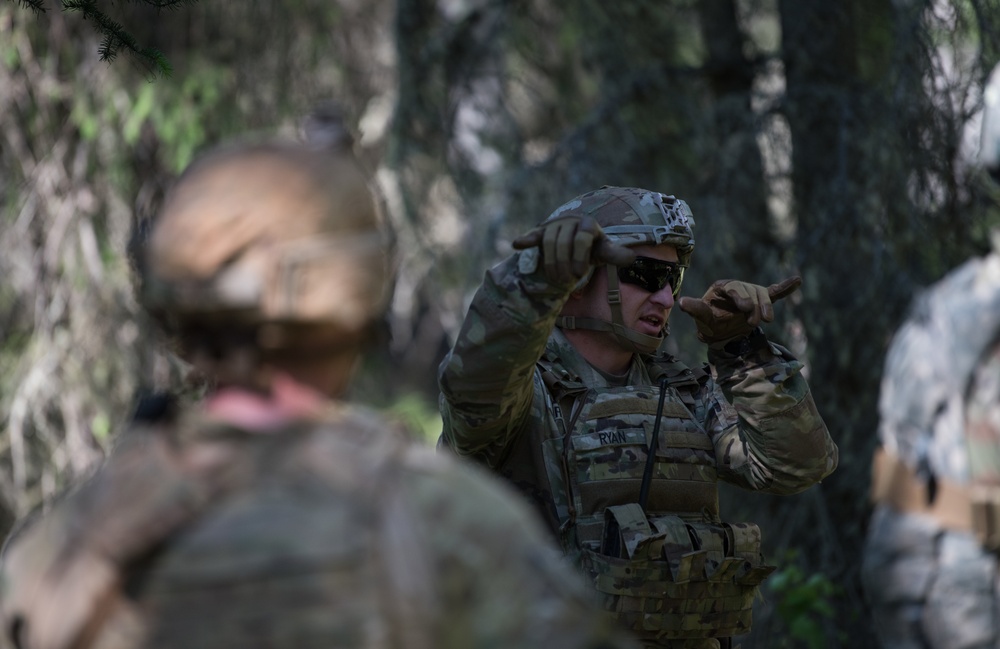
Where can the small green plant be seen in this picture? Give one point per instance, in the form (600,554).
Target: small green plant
(419,414)
(802,602)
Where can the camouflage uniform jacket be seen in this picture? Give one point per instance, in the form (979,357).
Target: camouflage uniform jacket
(931,566)
(329,533)
(929,366)
(518,398)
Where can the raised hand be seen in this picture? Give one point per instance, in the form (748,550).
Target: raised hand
(731,308)
(570,245)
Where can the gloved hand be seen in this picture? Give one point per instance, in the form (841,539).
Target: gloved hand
(731,308)
(570,245)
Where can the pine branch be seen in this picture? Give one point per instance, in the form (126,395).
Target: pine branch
(163,4)
(117,39)
(38,6)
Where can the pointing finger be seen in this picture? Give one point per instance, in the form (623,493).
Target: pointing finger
(613,254)
(527,240)
(784,288)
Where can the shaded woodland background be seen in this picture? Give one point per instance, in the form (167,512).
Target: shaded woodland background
(837,140)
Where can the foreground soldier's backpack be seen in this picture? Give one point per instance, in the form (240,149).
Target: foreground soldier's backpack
(143,547)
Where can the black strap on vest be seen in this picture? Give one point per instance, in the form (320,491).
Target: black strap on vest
(611,544)
(647,475)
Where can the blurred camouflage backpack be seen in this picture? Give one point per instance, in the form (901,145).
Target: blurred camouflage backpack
(193,516)
(942,367)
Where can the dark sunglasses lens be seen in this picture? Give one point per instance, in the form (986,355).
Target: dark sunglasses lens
(651,274)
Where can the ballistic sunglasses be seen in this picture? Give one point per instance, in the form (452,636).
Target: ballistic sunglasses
(652,274)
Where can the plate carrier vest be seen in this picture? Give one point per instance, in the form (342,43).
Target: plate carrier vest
(674,570)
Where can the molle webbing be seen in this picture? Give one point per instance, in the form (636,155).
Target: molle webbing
(690,492)
(689,489)
(684,573)
(687,493)
(637,405)
(680,579)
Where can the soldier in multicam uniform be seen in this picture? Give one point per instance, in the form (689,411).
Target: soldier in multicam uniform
(271,515)
(930,561)
(557,383)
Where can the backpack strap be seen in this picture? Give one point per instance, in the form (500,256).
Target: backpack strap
(398,556)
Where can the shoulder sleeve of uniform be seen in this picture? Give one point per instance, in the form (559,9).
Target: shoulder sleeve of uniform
(487,379)
(765,426)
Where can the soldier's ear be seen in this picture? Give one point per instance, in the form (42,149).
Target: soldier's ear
(576,295)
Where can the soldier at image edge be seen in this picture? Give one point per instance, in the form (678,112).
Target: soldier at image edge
(558,383)
(930,567)
(272,513)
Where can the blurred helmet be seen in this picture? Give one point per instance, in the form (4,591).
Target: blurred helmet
(631,216)
(272,232)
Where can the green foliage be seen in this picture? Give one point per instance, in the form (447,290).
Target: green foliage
(100,426)
(176,112)
(419,414)
(803,603)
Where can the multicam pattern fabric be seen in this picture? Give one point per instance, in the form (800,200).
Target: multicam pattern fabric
(931,586)
(518,398)
(330,533)
(633,216)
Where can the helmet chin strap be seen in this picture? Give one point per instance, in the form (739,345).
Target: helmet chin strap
(628,338)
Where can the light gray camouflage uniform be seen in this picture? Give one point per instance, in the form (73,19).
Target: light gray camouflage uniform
(518,398)
(930,561)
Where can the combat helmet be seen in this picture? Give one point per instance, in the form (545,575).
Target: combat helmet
(269,237)
(631,216)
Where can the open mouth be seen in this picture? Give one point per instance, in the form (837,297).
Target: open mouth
(652,322)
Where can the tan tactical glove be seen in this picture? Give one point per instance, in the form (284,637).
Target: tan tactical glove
(731,308)
(570,245)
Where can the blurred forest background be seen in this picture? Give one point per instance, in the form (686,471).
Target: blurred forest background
(842,141)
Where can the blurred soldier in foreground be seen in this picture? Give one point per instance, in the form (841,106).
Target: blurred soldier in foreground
(930,563)
(557,382)
(271,515)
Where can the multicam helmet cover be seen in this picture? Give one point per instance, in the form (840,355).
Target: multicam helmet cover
(631,216)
